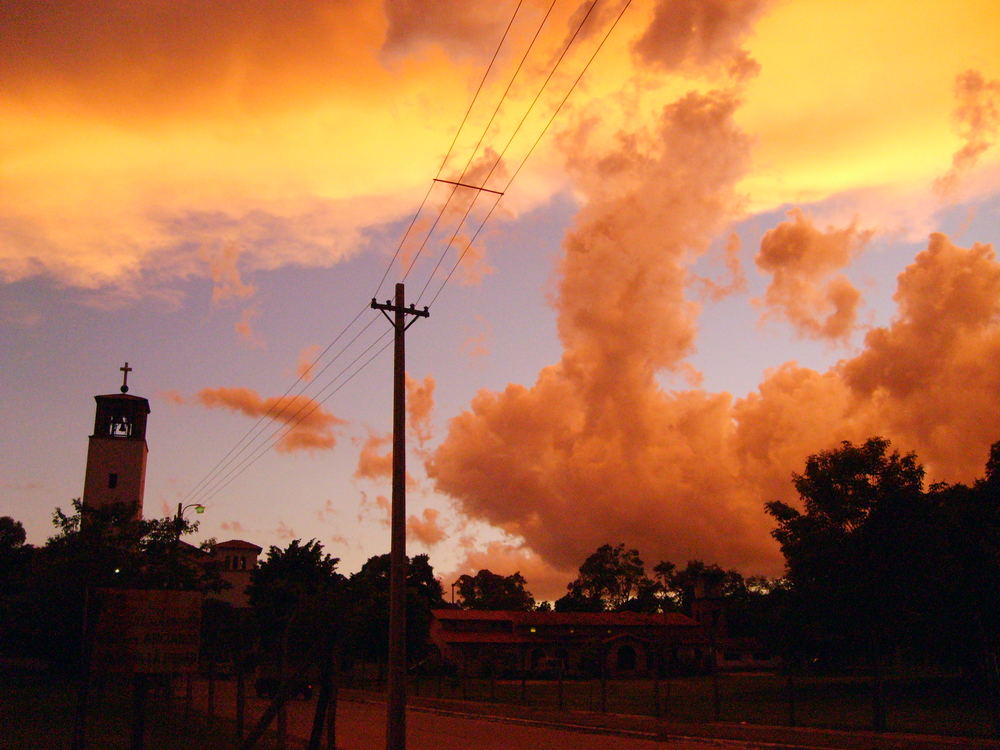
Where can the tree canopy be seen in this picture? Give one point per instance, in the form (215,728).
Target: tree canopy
(487,590)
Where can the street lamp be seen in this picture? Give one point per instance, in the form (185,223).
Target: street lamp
(179,519)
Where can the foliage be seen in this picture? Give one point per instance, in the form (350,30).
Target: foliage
(854,554)
(92,548)
(608,579)
(295,594)
(369,594)
(487,590)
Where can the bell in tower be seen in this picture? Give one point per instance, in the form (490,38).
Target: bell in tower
(116,456)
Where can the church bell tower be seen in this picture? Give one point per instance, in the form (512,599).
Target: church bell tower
(116,456)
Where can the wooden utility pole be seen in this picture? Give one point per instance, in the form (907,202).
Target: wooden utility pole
(396,715)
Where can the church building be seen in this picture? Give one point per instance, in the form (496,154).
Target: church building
(116,455)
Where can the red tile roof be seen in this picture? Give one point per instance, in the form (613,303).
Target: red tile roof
(238,544)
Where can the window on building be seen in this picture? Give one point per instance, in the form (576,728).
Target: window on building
(112,481)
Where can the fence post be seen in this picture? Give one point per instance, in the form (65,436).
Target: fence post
(656,688)
(790,689)
(604,681)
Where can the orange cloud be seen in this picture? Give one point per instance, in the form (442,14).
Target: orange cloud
(977,117)
(476,344)
(234,526)
(698,33)
(715,290)
(461,28)
(284,531)
(226,275)
(125,58)
(310,426)
(426,528)
(595,443)
(307,361)
(244,327)
(372,463)
(803,289)
(685,474)
(420,406)
(931,375)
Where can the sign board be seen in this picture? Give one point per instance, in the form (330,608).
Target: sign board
(139,630)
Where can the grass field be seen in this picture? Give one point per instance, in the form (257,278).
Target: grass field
(924,705)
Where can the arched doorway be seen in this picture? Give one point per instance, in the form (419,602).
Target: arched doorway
(626,660)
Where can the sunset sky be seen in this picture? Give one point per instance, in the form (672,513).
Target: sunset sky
(733,233)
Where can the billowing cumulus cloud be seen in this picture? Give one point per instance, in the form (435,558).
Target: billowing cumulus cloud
(307,425)
(426,528)
(698,33)
(597,446)
(802,260)
(977,117)
(688,473)
(932,374)
(595,443)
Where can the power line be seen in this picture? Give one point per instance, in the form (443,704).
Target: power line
(270,412)
(295,420)
(217,484)
(451,146)
(475,149)
(530,151)
(510,140)
(225,461)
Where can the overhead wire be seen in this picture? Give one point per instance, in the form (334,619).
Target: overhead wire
(271,413)
(309,407)
(454,140)
(222,462)
(212,488)
(530,151)
(482,137)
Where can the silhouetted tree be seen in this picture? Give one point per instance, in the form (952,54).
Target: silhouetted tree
(294,594)
(608,579)
(98,547)
(850,554)
(15,566)
(487,590)
(369,594)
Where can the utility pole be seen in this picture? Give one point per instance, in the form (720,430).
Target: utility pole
(395,738)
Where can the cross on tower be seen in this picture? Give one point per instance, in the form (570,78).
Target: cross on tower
(126,370)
